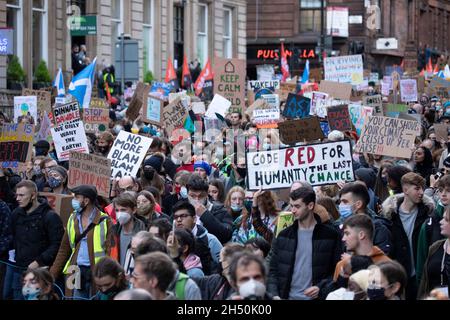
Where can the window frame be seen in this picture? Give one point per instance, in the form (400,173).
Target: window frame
(18,34)
(151,48)
(203,35)
(312,10)
(228,39)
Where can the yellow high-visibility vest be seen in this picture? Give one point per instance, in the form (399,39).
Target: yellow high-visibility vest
(111,90)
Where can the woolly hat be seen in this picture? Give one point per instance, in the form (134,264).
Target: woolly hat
(203,165)
(361,278)
(368,176)
(156,162)
(61,170)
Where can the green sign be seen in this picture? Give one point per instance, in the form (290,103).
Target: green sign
(83,25)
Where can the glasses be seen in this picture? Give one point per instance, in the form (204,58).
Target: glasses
(130,188)
(181,216)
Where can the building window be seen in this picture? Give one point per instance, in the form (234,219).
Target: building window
(310,15)
(116,24)
(14,20)
(228,33)
(202,34)
(178,29)
(148,35)
(40,32)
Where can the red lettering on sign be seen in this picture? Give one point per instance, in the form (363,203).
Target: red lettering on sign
(289,153)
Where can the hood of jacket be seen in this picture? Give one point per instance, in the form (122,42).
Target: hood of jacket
(192,261)
(390,205)
(368,176)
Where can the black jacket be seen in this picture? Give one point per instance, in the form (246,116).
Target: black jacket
(327,251)
(203,251)
(214,287)
(5,230)
(37,235)
(218,222)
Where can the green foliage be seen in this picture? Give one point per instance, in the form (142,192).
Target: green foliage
(148,77)
(42,74)
(15,71)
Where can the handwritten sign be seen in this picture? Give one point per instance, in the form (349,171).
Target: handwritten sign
(95,120)
(44,99)
(174,115)
(89,169)
(266,116)
(441,130)
(359,115)
(219,105)
(302,130)
(388,137)
(376,102)
(127,154)
(69,136)
(342,91)
(318,164)
(339,118)
(98,103)
(318,104)
(153,111)
(161,90)
(285,219)
(297,107)
(16,144)
(393,110)
(345,69)
(135,107)
(229,80)
(408,90)
(25,106)
(67,113)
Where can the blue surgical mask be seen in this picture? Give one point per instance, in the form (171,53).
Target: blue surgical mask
(54,183)
(76,205)
(184,193)
(376,294)
(236,207)
(345,210)
(30,293)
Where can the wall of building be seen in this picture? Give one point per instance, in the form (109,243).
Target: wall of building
(2,58)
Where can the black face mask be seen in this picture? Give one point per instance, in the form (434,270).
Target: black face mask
(103,150)
(242,172)
(149,173)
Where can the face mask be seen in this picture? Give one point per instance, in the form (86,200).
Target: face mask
(345,210)
(236,207)
(30,293)
(37,170)
(123,217)
(103,150)
(144,210)
(76,205)
(54,183)
(376,294)
(184,193)
(149,174)
(252,290)
(242,172)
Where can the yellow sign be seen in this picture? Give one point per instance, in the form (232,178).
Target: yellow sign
(285,219)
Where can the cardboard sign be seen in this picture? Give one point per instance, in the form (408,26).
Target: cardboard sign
(440,87)
(89,169)
(344,69)
(199,107)
(318,164)
(376,102)
(319,104)
(95,120)
(127,154)
(388,137)
(285,219)
(297,107)
(339,118)
(67,113)
(408,89)
(266,116)
(69,137)
(271,85)
(359,115)
(441,131)
(60,203)
(44,132)
(174,116)
(341,91)
(44,99)
(135,107)
(229,80)
(393,110)
(272,100)
(285,89)
(218,105)
(258,104)
(16,144)
(315,74)
(303,130)
(25,106)
(99,103)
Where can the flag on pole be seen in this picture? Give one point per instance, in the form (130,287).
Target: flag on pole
(284,64)
(429,67)
(59,84)
(171,75)
(204,80)
(305,77)
(436,68)
(447,72)
(186,79)
(82,83)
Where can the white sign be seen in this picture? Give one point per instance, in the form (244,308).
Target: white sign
(272,100)
(70,136)
(318,164)
(319,104)
(269,84)
(387,44)
(265,72)
(266,116)
(218,105)
(337,21)
(127,154)
(25,106)
(355,19)
(346,69)
(408,89)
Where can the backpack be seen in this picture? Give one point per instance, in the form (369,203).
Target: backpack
(180,286)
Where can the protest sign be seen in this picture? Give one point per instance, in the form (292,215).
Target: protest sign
(66,113)
(60,203)
(285,89)
(229,80)
(359,115)
(297,107)
(69,137)
(302,130)
(388,137)
(440,87)
(285,219)
(199,107)
(345,69)
(317,164)
(266,116)
(272,100)
(441,131)
(318,104)
(325,128)
(135,107)
(99,103)
(265,72)
(161,90)
(95,120)
(393,110)
(89,169)
(44,99)
(127,154)
(153,110)
(44,131)
(16,144)
(374,77)
(412,117)
(389,70)
(272,85)
(339,118)
(174,116)
(408,90)
(257,104)
(389,81)
(316,74)
(376,102)
(218,105)
(25,106)
(342,91)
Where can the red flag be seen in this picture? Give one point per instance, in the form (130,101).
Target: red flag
(284,64)
(429,67)
(436,68)
(422,73)
(171,75)
(186,79)
(205,75)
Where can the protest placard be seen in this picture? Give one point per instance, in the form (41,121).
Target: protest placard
(285,219)
(99,103)
(95,120)
(229,80)
(60,203)
(89,169)
(127,154)
(393,110)
(25,106)
(325,128)
(137,102)
(345,69)
(153,110)
(69,137)
(272,100)
(339,118)
(297,107)
(408,90)
(44,131)
(219,105)
(441,131)
(285,89)
(44,99)
(272,85)
(199,107)
(174,116)
(440,87)
(319,104)
(161,90)
(66,113)
(412,117)
(16,144)
(266,116)
(388,137)
(342,91)
(317,164)
(376,102)
(359,115)
(302,130)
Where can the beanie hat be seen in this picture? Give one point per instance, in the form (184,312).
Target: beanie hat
(203,165)
(156,162)
(368,176)
(60,170)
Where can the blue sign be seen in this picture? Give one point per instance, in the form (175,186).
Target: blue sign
(6,42)
(325,128)
(297,107)
(164,89)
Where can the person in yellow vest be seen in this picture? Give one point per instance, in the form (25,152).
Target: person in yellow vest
(87,239)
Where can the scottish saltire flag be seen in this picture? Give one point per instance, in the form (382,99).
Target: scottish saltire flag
(82,83)
(59,84)
(305,78)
